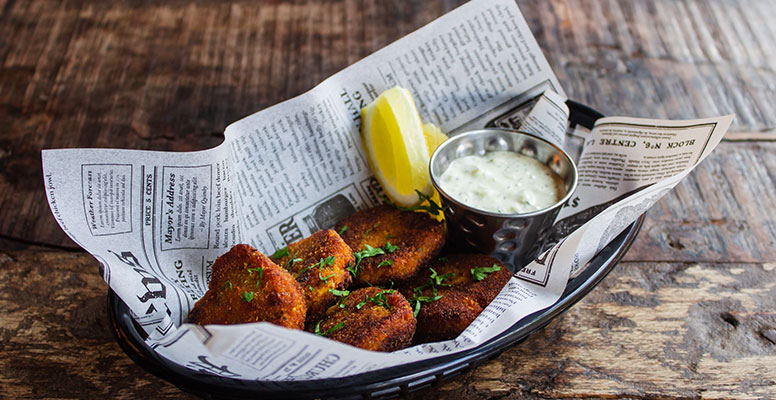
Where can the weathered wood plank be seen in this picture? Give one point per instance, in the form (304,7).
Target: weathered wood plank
(664,330)
(171,76)
(664,58)
(651,330)
(160,76)
(724,211)
(55,338)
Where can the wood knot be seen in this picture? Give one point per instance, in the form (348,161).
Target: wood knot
(730,319)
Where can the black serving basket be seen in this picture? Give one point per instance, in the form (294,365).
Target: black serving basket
(386,382)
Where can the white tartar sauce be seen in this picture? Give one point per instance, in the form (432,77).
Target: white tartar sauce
(502,182)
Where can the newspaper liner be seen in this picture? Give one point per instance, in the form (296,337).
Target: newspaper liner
(157,221)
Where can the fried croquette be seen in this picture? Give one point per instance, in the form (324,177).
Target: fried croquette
(318,263)
(246,286)
(390,245)
(370,318)
(452,292)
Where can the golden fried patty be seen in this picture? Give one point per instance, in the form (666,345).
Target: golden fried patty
(318,263)
(246,286)
(370,318)
(393,244)
(452,292)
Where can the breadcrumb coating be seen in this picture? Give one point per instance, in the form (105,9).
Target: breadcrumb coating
(318,263)
(408,240)
(246,286)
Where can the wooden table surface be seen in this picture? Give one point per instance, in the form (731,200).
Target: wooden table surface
(688,314)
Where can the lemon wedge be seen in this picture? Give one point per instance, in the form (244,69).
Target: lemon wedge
(398,145)
(434,137)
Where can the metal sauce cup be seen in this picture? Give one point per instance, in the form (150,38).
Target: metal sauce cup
(514,239)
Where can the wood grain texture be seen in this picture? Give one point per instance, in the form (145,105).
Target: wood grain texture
(650,330)
(55,338)
(171,76)
(725,211)
(664,58)
(689,315)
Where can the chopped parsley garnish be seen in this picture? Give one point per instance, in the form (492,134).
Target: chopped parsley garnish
(417,300)
(247,296)
(390,248)
(330,330)
(437,279)
(432,208)
(367,252)
(228,283)
(260,271)
(342,294)
(352,269)
(311,288)
(324,261)
(434,281)
(379,299)
(292,261)
(341,231)
(479,274)
(385,262)
(339,293)
(280,253)
(307,268)
(325,278)
(318,328)
(370,229)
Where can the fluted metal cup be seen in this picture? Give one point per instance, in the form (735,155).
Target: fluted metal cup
(515,239)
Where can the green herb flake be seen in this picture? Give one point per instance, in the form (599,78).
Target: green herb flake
(390,248)
(342,230)
(342,294)
(366,233)
(292,261)
(379,299)
(307,268)
(479,274)
(385,262)
(339,293)
(352,269)
(434,281)
(325,278)
(418,300)
(369,251)
(247,296)
(229,284)
(432,207)
(442,259)
(311,288)
(318,328)
(258,270)
(323,261)
(437,279)
(280,253)
(329,331)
